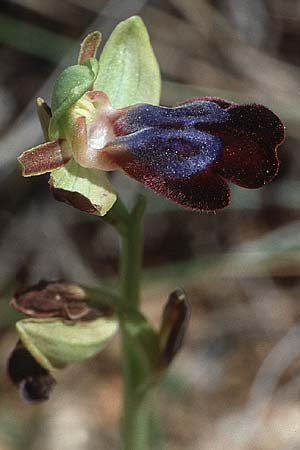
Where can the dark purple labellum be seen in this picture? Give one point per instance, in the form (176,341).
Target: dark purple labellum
(190,152)
(168,140)
(35,382)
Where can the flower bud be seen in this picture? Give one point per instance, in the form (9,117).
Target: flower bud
(173,328)
(63,329)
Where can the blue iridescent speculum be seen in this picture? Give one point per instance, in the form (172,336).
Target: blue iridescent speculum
(173,153)
(167,139)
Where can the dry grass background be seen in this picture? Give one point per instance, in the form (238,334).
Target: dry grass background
(236,384)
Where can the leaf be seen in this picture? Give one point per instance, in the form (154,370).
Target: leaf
(143,340)
(69,87)
(86,189)
(55,343)
(128,69)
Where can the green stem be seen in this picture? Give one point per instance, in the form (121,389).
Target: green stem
(131,257)
(135,418)
(135,422)
(102,296)
(118,217)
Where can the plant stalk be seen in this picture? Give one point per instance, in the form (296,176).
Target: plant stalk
(135,418)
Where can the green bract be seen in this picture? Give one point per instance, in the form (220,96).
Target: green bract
(55,343)
(144,342)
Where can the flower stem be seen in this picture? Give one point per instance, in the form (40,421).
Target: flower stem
(135,418)
(131,257)
(135,423)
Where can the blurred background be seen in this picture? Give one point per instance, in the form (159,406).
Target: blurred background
(236,383)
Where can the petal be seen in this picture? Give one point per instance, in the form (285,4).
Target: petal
(202,192)
(168,152)
(42,159)
(89,46)
(71,85)
(80,141)
(251,138)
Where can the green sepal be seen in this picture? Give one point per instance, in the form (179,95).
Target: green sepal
(128,69)
(72,84)
(86,189)
(55,343)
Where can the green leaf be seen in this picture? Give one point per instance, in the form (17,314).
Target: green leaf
(55,343)
(86,189)
(69,87)
(128,69)
(143,341)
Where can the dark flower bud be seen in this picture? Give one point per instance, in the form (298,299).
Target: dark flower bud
(175,319)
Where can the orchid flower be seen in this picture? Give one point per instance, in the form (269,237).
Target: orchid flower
(187,153)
